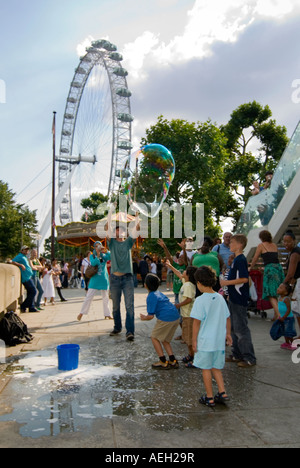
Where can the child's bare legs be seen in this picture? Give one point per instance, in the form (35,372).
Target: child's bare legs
(157,346)
(159,349)
(168,348)
(191,351)
(207,379)
(218,376)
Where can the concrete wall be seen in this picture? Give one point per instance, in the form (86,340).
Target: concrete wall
(11,290)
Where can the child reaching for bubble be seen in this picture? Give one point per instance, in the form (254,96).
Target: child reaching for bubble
(167,322)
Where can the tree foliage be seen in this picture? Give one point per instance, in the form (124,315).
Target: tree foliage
(17,224)
(91,207)
(200,155)
(216,165)
(255,144)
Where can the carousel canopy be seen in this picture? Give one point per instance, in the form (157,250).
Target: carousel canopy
(79,233)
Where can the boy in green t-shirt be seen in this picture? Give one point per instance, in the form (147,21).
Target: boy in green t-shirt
(177,283)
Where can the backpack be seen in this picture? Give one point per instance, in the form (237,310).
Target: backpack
(13,330)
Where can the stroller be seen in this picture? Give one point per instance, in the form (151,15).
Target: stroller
(260,305)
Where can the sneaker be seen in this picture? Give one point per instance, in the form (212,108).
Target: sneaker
(246,364)
(115,332)
(290,347)
(233,359)
(130,337)
(285,346)
(161,365)
(33,310)
(174,364)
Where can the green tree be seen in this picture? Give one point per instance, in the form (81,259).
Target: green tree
(200,155)
(91,205)
(255,144)
(17,223)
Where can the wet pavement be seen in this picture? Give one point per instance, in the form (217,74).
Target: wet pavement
(115,400)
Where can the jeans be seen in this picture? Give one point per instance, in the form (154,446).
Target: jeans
(31,293)
(119,284)
(242,342)
(39,287)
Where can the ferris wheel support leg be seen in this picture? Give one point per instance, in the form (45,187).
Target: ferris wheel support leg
(47,221)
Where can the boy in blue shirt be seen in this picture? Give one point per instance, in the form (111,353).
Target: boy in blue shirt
(167,323)
(211,330)
(238,289)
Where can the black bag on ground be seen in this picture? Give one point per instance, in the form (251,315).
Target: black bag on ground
(13,330)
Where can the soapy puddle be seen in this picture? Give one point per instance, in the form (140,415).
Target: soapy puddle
(47,401)
(109,382)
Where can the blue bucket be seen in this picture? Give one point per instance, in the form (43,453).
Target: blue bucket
(68,357)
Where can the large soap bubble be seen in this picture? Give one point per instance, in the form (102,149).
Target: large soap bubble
(147,177)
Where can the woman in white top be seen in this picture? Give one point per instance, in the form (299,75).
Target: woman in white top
(48,285)
(84,264)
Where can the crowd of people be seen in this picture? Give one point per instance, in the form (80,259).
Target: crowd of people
(211,295)
(40,278)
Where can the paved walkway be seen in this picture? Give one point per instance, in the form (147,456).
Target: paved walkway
(116,400)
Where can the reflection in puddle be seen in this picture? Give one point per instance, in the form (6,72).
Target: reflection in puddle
(113,380)
(52,402)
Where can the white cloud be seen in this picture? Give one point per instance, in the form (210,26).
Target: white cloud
(208,22)
(137,51)
(81,47)
(275,8)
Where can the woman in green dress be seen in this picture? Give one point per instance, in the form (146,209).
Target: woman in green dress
(273,271)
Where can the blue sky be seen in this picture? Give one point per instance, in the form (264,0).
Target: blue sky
(191,59)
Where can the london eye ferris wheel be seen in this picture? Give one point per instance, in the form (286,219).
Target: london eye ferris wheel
(96,126)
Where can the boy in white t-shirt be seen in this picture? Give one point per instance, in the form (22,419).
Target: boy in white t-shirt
(211,331)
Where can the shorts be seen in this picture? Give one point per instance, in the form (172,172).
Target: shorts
(210,360)
(187,330)
(170,277)
(164,331)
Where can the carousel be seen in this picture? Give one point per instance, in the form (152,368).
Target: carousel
(81,234)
